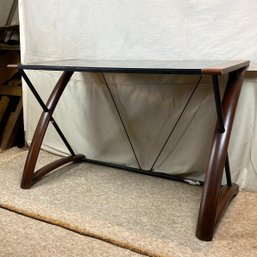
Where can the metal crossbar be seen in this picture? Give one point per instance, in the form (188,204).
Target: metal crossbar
(122,122)
(220,116)
(44,107)
(175,125)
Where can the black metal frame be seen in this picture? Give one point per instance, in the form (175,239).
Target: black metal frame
(220,117)
(45,109)
(149,172)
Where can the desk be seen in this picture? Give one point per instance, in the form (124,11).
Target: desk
(215,197)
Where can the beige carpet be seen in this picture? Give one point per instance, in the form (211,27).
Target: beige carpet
(147,215)
(25,237)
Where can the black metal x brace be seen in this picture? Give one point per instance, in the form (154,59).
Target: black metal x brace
(42,104)
(219,110)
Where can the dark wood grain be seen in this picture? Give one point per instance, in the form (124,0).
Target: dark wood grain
(210,208)
(40,131)
(225,67)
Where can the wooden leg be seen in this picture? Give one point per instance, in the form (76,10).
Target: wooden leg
(215,198)
(29,177)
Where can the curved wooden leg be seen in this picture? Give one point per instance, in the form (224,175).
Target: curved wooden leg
(53,165)
(29,177)
(215,198)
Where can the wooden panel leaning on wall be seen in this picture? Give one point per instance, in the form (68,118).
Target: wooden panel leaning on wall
(11,120)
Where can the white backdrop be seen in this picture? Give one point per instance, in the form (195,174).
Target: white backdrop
(143,29)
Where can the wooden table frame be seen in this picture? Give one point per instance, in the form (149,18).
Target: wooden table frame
(215,197)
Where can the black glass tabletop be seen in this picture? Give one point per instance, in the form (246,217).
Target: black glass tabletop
(138,66)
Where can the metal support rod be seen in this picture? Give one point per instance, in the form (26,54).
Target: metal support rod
(219,110)
(62,136)
(227,171)
(147,172)
(44,107)
(172,130)
(122,122)
(33,90)
(220,116)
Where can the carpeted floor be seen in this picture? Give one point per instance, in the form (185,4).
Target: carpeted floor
(147,215)
(21,236)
